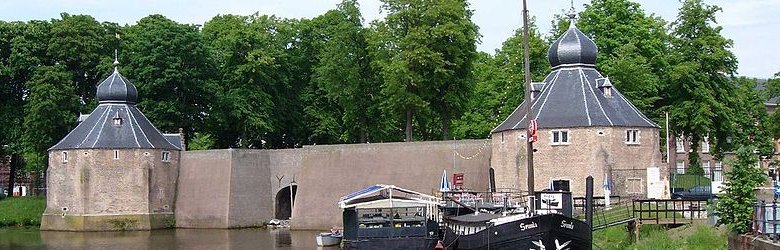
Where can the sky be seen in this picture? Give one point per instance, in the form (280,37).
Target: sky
(751,24)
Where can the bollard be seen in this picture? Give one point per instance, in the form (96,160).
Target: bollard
(589,201)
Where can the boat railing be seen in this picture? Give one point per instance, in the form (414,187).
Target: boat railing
(479,199)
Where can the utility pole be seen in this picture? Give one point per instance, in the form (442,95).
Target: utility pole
(528,103)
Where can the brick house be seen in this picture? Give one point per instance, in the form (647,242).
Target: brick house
(585,127)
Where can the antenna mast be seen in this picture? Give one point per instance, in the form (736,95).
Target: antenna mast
(528,134)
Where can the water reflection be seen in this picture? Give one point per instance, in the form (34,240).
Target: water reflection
(196,239)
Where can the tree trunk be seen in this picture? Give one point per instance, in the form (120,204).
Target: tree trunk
(363,130)
(445,124)
(408,124)
(12,174)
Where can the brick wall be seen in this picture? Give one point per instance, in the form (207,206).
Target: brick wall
(593,151)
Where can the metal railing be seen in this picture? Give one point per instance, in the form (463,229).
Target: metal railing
(667,211)
(766,219)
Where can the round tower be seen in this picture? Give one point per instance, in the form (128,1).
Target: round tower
(585,127)
(114,171)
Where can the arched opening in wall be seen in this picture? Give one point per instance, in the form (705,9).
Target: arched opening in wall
(285,202)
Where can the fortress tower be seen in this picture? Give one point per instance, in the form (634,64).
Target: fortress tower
(585,127)
(114,171)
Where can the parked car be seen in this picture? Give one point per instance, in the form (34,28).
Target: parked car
(694,193)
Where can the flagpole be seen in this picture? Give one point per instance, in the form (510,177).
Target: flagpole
(529,141)
(668,147)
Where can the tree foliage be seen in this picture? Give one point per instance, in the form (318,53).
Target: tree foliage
(700,92)
(425,50)
(50,112)
(168,63)
(735,206)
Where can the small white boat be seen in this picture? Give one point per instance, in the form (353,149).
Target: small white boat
(328,239)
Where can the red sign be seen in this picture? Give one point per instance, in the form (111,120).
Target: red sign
(533,138)
(532,127)
(457,180)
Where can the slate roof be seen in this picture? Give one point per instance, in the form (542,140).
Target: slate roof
(572,93)
(174,139)
(572,48)
(116,96)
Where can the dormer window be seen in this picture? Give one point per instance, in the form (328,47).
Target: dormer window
(605,86)
(117,120)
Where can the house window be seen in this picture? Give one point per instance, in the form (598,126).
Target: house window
(680,145)
(705,145)
(64,157)
(166,156)
(560,137)
(717,171)
(632,136)
(680,167)
(116,154)
(705,165)
(607,91)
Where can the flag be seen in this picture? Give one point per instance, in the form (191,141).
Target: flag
(444,184)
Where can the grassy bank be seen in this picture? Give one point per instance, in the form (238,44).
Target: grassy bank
(696,236)
(21,211)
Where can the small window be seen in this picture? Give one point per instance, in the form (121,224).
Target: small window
(116,154)
(632,136)
(117,120)
(705,165)
(607,91)
(561,185)
(64,157)
(680,167)
(680,145)
(560,137)
(705,145)
(166,156)
(717,171)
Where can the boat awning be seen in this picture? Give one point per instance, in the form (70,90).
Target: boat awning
(381,195)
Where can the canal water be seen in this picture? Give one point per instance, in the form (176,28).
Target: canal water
(270,239)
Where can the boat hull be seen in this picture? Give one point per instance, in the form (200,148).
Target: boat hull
(550,231)
(411,243)
(326,240)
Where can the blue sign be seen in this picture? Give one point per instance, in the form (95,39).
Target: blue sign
(777,190)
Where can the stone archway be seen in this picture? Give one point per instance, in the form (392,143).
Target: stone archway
(284,202)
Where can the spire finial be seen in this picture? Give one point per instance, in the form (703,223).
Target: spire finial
(116,60)
(572,14)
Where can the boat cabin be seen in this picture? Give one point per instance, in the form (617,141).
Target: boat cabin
(384,212)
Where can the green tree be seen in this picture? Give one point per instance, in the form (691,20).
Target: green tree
(425,51)
(500,83)
(250,59)
(700,93)
(168,63)
(735,206)
(50,113)
(201,141)
(343,78)
(79,43)
(632,50)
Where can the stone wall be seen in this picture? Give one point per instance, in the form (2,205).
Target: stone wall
(232,188)
(203,199)
(594,151)
(330,172)
(237,188)
(96,190)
